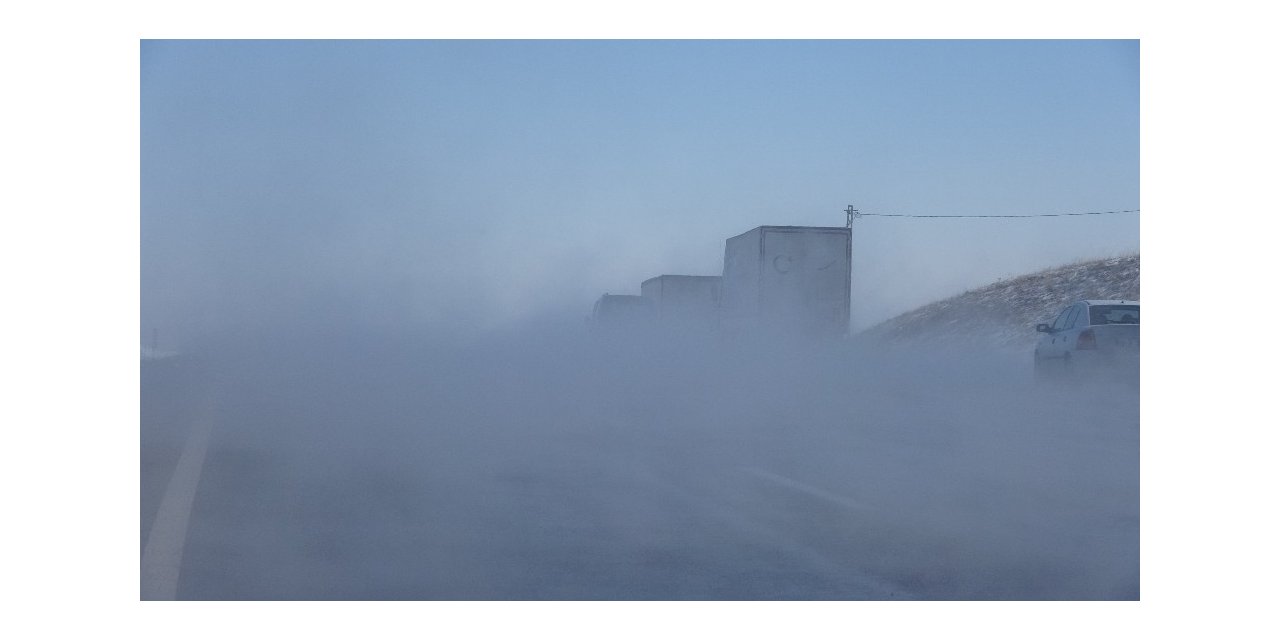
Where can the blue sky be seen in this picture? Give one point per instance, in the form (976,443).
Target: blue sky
(477,183)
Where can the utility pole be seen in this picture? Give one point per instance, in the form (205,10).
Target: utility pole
(851,213)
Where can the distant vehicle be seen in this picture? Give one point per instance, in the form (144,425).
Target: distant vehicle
(622,312)
(792,280)
(684,303)
(1090,337)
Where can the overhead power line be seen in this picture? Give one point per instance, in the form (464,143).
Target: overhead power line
(854,214)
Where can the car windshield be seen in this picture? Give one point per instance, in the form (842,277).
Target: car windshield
(1113,314)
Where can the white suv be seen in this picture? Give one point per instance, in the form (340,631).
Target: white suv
(1092,336)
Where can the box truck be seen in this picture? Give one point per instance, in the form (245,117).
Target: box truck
(684,303)
(793,280)
(613,311)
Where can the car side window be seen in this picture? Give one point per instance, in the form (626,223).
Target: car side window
(1061,322)
(1071,317)
(1074,320)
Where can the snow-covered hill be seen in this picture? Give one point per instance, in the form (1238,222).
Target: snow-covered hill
(1004,314)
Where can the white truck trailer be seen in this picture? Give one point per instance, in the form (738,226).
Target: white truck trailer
(793,280)
(684,303)
(614,311)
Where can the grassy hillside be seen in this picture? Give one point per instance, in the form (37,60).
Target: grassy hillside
(1004,314)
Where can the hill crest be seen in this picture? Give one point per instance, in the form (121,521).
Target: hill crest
(1004,314)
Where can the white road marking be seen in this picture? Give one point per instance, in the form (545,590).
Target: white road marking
(804,488)
(162,557)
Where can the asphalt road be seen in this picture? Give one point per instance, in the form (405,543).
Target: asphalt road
(378,474)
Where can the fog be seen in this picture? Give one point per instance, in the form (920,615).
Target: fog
(457,184)
(374,259)
(552,462)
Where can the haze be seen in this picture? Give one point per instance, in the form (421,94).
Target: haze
(475,184)
(367,375)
